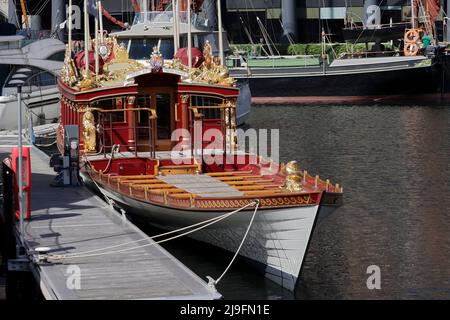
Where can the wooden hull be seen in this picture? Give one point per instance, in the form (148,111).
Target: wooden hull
(277,241)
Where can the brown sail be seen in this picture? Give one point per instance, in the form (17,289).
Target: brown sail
(431,10)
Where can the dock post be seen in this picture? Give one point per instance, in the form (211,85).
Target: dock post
(8,241)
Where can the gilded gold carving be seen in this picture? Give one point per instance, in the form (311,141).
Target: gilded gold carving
(185,98)
(211,71)
(89,131)
(88,82)
(293,182)
(120,53)
(69,73)
(120,67)
(116,70)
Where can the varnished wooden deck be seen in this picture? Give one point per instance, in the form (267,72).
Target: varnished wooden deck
(71,220)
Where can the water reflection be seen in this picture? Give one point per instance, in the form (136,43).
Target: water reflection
(394,165)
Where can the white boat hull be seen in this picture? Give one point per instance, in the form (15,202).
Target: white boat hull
(45,102)
(243,103)
(277,241)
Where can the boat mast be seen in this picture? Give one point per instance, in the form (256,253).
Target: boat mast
(100,17)
(220,27)
(24,13)
(69,34)
(86,38)
(145,9)
(97,62)
(175,24)
(266,37)
(189,37)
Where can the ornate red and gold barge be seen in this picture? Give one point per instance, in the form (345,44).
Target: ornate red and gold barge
(126,116)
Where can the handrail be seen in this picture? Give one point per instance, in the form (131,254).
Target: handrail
(222,106)
(108,129)
(366,53)
(385,25)
(152,111)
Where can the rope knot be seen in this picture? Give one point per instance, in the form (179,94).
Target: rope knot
(211,284)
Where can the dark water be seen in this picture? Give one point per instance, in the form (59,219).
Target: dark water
(394,164)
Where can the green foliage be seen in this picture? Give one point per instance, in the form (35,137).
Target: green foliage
(333,50)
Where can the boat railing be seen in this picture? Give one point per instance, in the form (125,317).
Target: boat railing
(381,26)
(133,136)
(158,16)
(14,43)
(368,54)
(294,61)
(166,17)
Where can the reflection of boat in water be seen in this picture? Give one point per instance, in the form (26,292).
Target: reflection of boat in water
(126,116)
(151,29)
(36,63)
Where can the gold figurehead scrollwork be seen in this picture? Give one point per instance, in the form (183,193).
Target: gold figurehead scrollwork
(120,52)
(120,66)
(211,71)
(89,131)
(69,72)
(293,182)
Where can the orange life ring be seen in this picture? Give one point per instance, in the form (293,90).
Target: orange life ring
(411,49)
(412,35)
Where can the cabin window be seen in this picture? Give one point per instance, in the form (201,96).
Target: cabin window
(210,106)
(163,104)
(143,102)
(58,56)
(211,114)
(140,49)
(32,76)
(112,104)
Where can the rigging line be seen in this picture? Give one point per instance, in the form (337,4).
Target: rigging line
(269,21)
(362,31)
(374,30)
(288,35)
(249,36)
(326,20)
(36,7)
(243,24)
(42,8)
(267,38)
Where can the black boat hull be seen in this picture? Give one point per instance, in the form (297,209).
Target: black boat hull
(398,82)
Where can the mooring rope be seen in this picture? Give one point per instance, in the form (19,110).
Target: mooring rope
(213,282)
(201,225)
